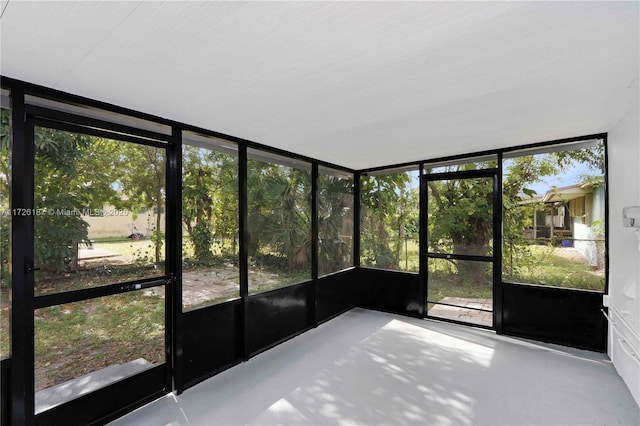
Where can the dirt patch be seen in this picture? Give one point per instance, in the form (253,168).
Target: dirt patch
(217,284)
(571,254)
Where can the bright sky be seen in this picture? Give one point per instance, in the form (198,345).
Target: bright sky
(569,176)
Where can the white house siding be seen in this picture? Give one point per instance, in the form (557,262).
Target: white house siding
(584,242)
(588,238)
(624,256)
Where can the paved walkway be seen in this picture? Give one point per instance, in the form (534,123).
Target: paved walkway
(460,313)
(218,284)
(202,286)
(221,284)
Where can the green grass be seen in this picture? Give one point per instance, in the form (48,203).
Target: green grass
(127,247)
(102,240)
(77,338)
(285,278)
(537,265)
(545,266)
(446,280)
(5,314)
(449,288)
(135,260)
(408,260)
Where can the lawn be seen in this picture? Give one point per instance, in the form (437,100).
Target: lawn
(77,338)
(410,256)
(446,280)
(554,266)
(131,260)
(408,260)
(64,325)
(5,314)
(542,265)
(285,278)
(136,249)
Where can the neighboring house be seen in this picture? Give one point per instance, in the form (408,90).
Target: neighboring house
(573,216)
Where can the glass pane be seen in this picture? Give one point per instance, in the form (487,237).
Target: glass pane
(279,201)
(210,271)
(99,211)
(335,221)
(5,226)
(554,213)
(478,163)
(461,290)
(83,346)
(389,221)
(461,216)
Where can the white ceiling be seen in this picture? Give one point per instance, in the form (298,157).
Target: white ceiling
(360,84)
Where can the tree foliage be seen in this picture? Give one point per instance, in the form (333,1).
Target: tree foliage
(279,202)
(335,223)
(460,211)
(142,177)
(73,172)
(279,212)
(389,206)
(5,131)
(519,174)
(210,201)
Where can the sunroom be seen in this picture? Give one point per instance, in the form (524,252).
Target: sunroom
(319,212)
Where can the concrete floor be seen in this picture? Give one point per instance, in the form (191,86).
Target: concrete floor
(372,368)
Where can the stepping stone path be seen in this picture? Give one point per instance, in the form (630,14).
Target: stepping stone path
(459,312)
(201,286)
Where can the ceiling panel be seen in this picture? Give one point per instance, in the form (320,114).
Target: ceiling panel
(360,84)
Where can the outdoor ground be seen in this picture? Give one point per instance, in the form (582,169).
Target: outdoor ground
(475,311)
(74,339)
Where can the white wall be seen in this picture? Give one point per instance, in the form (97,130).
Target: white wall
(624,254)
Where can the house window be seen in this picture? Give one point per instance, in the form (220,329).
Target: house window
(554,214)
(577,210)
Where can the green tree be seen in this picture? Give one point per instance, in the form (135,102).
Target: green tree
(210,200)
(387,205)
(335,222)
(5,131)
(518,202)
(72,173)
(142,171)
(280,213)
(461,213)
(461,220)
